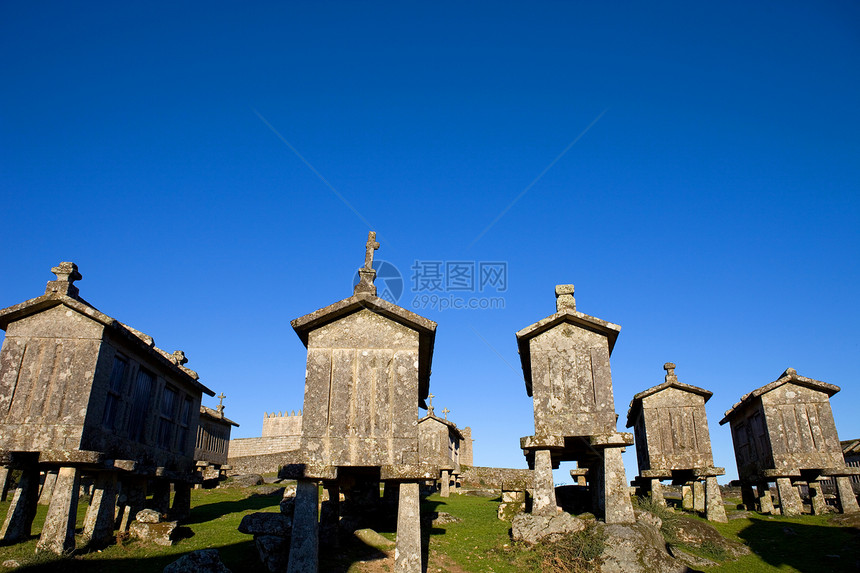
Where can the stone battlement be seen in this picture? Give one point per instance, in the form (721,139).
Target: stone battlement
(282,424)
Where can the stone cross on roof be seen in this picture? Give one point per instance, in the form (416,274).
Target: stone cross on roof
(430,404)
(669,367)
(371,246)
(367,274)
(67,273)
(446,411)
(221,397)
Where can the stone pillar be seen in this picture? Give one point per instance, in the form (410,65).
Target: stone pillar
(714,508)
(698,496)
(22,510)
(58,533)
(765,501)
(544,500)
(181,510)
(330,512)
(619,508)
(687,497)
(748,497)
(5,480)
(407,554)
(304,543)
(847,499)
(789,499)
(816,498)
(100,518)
(135,494)
(657,493)
(160,496)
(446,484)
(48,487)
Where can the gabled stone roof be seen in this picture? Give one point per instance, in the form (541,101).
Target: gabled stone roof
(216,416)
(62,292)
(790,375)
(636,402)
(425,327)
(448,423)
(607,329)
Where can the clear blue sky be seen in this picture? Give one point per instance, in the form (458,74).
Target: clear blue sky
(711,209)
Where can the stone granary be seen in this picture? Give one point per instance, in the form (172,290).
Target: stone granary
(81,392)
(439,445)
(213,441)
(565,361)
(368,371)
(785,432)
(673,442)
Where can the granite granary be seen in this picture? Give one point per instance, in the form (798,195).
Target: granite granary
(368,371)
(213,440)
(439,446)
(785,432)
(565,361)
(672,442)
(82,393)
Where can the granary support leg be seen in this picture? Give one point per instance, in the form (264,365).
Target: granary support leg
(698,496)
(160,496)
(687,497)
(48,487)
(446,484)
(22,510)
(789,498)
(544,500)
(816,498)
(765,501)
(58,533)
(304,544)
(619,508)
(407,554)
(181,509)
(657,493)
(99,521)
(5,479)
(330,512)
(748,496)
(847,500)
(135,499)
(714,508)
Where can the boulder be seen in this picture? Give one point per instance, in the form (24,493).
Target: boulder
(375,540)
(200,561)
(267,490)
(636,548)
(531,528)
(273,551)
(148,516)
(158,533)
(266,524)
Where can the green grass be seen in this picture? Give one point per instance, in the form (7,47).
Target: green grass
(478,543)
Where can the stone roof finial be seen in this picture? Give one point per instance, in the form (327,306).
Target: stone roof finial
(430,405)
(67,273)
(179,358)
(446,411)
(367,273)
(669,367)
(220,406)
(564,298)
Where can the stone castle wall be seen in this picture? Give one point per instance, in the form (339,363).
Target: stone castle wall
(242,447)
(478,476)
(282,424)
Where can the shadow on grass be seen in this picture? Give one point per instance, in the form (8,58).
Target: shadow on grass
(210,511)
(807,548)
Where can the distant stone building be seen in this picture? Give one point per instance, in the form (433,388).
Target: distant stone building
(213,441)
(440,445)
(565,361)
(282,432)
(673,442)
(785,432)
(81,392)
